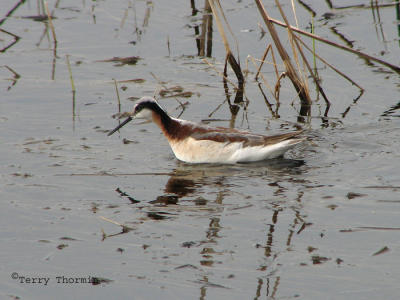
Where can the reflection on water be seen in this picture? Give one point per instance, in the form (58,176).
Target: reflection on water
(398,19)
(203,38)
(392,111)
(186,179)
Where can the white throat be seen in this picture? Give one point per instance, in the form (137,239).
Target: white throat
(146,114)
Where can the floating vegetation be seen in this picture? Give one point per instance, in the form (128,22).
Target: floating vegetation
(15,77)
(32,141)
(158,215)
(175,91)
(62,246)
(23,175)
(352,195)
(188,244)
(123,194)
(381,251)
(136,80)
(121,61)
(166,200)
(316,259)
(100,280)
(125,229)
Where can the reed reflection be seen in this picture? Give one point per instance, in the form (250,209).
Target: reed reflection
(203,37)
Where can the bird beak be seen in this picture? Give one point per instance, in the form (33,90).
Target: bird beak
(120,125)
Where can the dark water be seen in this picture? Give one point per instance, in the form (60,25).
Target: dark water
(321,224)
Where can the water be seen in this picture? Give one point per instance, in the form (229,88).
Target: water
(323,223)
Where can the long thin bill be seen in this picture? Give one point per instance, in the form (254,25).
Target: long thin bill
(119,126)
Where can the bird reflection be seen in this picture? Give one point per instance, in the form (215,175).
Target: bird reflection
(186,179)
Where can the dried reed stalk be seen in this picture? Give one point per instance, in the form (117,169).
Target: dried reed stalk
(125,228)
(70,73)
(220,73)
(229,56)
(16,39)
(269,47)
(298,82)
(118,98)
(272,91)
(293,40)
(362,54)
(53,32)
(72,86)
(329,65)
(11,11)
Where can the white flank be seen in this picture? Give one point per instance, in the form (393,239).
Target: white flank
(205,151)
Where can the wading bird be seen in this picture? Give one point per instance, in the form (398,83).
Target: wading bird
(197,143)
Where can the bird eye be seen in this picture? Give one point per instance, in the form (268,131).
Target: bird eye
(138,108)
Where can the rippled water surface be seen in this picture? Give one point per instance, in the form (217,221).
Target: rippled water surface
(119,217)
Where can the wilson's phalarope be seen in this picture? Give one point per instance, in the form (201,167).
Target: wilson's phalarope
(197,143)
